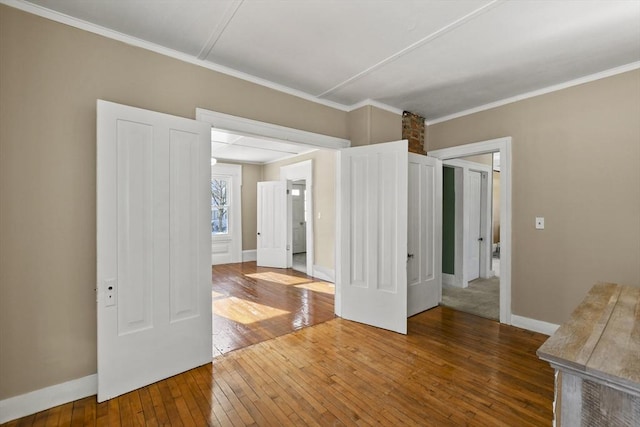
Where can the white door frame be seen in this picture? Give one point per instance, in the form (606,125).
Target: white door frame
(460,277)
(250,127)
(232,242)
(295,172)
(503,145)
(244,126)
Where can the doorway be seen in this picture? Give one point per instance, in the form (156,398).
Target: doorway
(301,222)
(257,136)
(473,288)
(503,147)
(299,225)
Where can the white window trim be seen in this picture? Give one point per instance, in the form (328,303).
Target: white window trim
(234,237)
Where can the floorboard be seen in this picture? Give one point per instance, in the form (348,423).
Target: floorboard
(252,304)
(452,369)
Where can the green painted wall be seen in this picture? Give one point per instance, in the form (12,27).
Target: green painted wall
(448,220)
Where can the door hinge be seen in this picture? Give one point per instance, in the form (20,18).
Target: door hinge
(288,191)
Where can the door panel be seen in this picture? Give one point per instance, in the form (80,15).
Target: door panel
(183,178)
(153,242)
(424,273)
(373,238)
(274,239)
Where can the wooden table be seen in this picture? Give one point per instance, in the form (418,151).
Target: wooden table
(596,355)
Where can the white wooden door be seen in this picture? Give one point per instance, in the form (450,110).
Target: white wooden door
(298,222)
(424,237)
(474,203)
(273,211)
(372,247)
(153,247)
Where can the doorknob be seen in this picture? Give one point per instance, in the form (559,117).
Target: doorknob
(409,255)
(480,239)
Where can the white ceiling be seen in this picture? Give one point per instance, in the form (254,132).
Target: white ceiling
(430,57)
(248,149)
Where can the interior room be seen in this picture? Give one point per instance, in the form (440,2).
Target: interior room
(254,300)
(109,228)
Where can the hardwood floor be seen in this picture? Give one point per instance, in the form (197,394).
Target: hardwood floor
(253,304)
(451,369)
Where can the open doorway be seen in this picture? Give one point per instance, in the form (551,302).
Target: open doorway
(497,239)
(470,283)
(299,225)
(252,303)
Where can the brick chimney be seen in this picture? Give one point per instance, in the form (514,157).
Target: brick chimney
(413,130)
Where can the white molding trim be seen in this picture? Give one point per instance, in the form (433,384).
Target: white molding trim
(373,103)
(48,397)
(134,41)
(581,80)
(323,273)
(233,240)
(244,126)
(534,325)
(503,145)
(249,255)
(293,156)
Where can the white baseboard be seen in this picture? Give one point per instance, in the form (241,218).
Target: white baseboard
(533,325)
(324,273)
(48,397)
(249,255)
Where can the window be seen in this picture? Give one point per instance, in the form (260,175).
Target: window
(220,205)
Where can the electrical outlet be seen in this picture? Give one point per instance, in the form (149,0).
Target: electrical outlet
(539,223)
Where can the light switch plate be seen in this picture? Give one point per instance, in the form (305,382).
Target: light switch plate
(539,223)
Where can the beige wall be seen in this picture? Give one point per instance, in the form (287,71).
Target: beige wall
(324,196)
(371,125)
(576,161)
(50,78)
(251,175)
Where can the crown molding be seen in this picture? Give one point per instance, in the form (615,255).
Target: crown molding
(134,41)
(585,79)
(373,103)
(52,15)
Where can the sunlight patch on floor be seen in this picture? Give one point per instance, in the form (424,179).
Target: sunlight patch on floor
(323,287)
(217,295)
(243,311)
(274,277)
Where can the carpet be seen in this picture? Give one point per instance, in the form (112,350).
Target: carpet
(481,297)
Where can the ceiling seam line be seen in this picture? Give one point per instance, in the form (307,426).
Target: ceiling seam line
(455,24)
(229,13)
